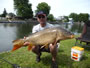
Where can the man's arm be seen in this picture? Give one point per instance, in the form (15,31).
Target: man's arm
(33,31)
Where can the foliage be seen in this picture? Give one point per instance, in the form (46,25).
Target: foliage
(79,17)
(66,19)
(83,17)
(11,14)
(74,16)
(50,17)
(23,8)
(43,7)
(0,15)
(4,13)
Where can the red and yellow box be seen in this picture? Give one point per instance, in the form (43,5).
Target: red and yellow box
(76,53)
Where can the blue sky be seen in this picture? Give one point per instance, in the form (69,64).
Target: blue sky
(58,7)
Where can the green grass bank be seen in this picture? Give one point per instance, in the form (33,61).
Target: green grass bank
(27,59)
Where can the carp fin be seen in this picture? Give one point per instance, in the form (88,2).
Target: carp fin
(30,47)
(46,46)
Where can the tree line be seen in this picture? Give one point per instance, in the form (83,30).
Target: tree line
(23,8)
(79,17)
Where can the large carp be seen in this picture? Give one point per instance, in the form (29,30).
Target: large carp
(44,37)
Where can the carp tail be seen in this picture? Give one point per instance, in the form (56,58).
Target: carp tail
(17,44)
(15,47)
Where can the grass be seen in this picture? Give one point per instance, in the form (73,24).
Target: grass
(27,59)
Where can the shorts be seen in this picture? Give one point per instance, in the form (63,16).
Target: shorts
(44,49)
(47,49)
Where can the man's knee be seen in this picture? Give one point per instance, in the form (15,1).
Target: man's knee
(35,49)
(53,48)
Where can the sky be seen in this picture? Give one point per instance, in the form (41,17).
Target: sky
(58,7)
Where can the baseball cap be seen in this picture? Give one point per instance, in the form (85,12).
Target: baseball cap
(41,13)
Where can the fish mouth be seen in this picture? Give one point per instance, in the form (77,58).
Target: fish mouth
(72,36)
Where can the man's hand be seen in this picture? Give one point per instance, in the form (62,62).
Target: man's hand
(26,43)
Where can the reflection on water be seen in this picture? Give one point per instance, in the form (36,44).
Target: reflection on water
(7,33)
(12,31)
(23,30)
(74,28)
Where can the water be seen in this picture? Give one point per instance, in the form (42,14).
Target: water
(13,31)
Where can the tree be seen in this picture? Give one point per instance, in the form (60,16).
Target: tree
(43,7)
(10,15)
(50,17)
(4,13)
(83,17)
(66,19)
(79,17)
(74,16)
(23,8)
(0,15)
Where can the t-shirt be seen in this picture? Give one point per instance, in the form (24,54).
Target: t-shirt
(38,27)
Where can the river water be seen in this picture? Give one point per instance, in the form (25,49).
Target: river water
(12,31)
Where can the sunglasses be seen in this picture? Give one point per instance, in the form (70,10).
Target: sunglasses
(41,16)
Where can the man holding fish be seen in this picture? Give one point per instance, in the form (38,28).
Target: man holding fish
(42,18)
